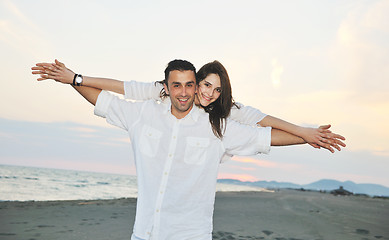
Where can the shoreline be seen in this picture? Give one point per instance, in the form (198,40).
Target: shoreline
(283,215)
(265,190)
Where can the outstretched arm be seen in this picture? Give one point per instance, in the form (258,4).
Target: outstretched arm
(131,89)
(90,94)
(63,75)
(60,73)
(316,137)
(282,138)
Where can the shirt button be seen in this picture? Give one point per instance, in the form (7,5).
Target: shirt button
(157,210)
(174,137)
(165,173)
(170,155)
(148,233)
(160,192)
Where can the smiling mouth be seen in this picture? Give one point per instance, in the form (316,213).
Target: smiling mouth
(206,98)
(183,101)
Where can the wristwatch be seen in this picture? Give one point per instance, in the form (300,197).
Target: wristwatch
(77,80)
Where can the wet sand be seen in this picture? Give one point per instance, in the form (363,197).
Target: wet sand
(281,215)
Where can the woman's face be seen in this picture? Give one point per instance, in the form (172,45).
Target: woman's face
(209,89)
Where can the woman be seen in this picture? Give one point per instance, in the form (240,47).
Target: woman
(213,94)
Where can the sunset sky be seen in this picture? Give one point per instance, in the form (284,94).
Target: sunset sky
(307,62)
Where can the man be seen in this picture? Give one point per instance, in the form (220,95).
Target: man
(177,155)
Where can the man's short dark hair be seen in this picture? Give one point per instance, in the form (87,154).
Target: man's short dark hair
(180,65)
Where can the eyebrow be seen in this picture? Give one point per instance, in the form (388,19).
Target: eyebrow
(211,84)
(191,82)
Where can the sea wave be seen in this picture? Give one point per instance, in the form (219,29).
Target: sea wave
(39,184)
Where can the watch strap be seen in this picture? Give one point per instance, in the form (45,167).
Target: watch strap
(74,79)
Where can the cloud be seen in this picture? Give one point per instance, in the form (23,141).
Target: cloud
(381,152)
(355,118)
(58,162)
(263,163)
(12,8)
(51,143)
(362,49)
(377,17)
(83,129)
(276,73)
(257,162)
(115,142)
(241,177)
(247,168)
(8,136)
(357,104)
(22,34)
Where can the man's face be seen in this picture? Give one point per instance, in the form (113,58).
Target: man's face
(181,89)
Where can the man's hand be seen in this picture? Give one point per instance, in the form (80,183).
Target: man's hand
(323,137)
(56,71)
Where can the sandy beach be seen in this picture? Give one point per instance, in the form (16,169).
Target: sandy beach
(280,215)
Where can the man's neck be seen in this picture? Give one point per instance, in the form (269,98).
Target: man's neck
(179,114)
(197,101)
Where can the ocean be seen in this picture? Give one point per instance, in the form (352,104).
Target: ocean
(42,184)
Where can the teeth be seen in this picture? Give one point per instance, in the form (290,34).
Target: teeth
(208,99)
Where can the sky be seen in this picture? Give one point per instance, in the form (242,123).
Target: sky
(307,62)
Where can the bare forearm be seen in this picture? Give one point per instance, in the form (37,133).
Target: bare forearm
(60,73)
(316,137)
(270,121)
(104,84)
(282,138)
(89,93)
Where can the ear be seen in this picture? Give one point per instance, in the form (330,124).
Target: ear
(166,88)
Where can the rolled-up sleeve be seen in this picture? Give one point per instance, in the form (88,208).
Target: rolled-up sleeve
(117,112)
(246,114)
(246,140)
(102,105)
(142,91)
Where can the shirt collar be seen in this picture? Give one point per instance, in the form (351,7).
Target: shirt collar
(194,112)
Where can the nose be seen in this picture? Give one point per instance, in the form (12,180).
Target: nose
(184,91)
(210,92)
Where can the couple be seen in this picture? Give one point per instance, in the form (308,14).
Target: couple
(179,139)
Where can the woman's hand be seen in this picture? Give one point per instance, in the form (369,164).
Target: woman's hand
(56,71)
(323,137)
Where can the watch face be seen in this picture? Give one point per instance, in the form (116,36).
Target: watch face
(78,79)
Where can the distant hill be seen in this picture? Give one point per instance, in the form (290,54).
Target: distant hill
(324,185)
(362,188)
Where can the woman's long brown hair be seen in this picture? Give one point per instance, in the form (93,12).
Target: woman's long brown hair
(220,109)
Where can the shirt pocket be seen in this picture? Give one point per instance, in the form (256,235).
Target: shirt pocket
(149,141)
(196,150)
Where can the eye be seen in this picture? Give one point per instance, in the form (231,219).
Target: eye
(190,85)
(207,84)
(218,90)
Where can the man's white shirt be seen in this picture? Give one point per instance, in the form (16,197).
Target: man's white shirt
(177,164)
(240,113)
